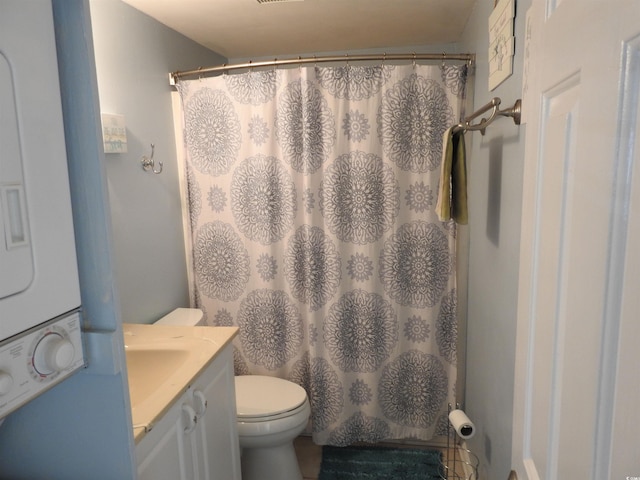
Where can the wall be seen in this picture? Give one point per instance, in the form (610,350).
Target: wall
(134,55)
(495,197)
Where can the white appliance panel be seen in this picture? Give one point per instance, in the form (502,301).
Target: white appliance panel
(36,360)
(38,269)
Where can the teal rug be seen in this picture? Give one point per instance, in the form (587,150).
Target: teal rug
(380,463)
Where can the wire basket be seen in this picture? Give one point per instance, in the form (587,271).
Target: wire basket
(460,463)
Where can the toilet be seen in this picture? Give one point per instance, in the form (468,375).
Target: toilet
(271,413)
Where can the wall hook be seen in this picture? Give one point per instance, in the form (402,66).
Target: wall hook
(148,163)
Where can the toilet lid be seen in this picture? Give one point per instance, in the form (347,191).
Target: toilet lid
(261,396)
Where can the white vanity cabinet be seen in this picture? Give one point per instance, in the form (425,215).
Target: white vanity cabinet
(197,438)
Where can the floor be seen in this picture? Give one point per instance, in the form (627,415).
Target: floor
(310,456)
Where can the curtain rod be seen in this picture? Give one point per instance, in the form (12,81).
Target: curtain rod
(466,57)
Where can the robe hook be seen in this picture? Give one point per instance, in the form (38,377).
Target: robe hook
(148,163)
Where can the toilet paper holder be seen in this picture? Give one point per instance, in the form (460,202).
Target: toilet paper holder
(460,463)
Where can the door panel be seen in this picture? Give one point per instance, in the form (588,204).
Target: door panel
(550,282)
(619,420)
(574,272)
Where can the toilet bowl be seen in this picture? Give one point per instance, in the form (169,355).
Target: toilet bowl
(270,411)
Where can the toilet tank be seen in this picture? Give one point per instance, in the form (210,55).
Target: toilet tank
(188,317)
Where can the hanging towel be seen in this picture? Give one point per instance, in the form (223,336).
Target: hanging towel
(452,193)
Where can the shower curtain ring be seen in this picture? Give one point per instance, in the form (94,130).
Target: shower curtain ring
(414,60)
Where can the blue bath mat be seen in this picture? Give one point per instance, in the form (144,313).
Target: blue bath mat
(380,463)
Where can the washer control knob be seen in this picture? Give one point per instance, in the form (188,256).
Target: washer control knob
(53,354)
(6,382)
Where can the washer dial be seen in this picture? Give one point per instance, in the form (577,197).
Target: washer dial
(39,358)
(53,352)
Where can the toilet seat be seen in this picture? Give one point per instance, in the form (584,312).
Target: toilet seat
(270,418)
(260,398)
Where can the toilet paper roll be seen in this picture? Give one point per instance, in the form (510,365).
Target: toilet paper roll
(461,424)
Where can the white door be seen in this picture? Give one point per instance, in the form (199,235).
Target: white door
(577,390)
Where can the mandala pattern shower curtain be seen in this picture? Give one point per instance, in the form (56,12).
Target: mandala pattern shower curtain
(312,194)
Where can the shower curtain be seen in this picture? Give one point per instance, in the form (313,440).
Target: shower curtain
(311,196)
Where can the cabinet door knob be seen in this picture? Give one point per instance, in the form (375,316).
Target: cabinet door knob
(200,402)
(191,418)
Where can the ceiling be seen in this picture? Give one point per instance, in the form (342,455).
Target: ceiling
(239,29)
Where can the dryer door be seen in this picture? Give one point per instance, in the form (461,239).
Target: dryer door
(15,246)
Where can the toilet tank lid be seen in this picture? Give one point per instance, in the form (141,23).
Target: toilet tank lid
(189,317)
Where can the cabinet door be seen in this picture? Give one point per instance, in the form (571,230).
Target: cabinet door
(216,434)
(164,452)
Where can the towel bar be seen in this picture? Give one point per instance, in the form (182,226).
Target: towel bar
(513,112)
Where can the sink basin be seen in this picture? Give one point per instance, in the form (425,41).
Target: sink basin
(149,368)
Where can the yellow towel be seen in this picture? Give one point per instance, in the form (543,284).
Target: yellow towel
(452,194)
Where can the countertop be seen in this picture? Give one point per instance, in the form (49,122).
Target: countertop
(162,361)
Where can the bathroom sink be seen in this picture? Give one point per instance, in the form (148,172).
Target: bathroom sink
(162,361)
(149,367)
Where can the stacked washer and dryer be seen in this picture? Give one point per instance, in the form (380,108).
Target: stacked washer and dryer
(40,314)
